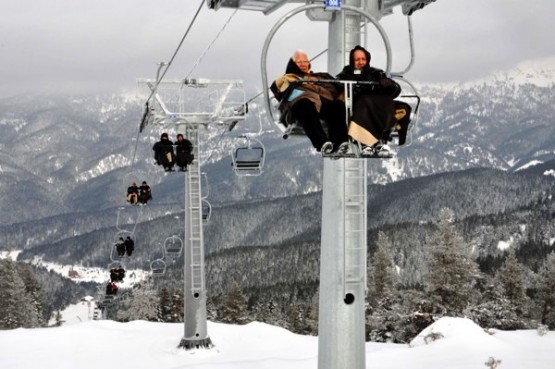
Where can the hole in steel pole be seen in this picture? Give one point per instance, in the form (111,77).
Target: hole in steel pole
(349,298)
(196,295)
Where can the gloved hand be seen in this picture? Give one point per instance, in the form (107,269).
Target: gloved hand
(385,82)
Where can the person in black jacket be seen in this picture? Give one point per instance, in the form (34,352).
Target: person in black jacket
(163,153)
(145,193)
(129,245)
(310,102)
(183,152)
(374,110)
(120,247)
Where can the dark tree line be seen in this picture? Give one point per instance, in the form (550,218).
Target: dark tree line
(22,302)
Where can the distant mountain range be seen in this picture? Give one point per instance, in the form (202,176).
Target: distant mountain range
(65,163)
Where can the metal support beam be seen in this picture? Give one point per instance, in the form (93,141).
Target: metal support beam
(341,325)
(194,296)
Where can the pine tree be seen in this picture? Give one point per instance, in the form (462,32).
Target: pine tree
(511,277)
(143,305)
(233,307)
(177,306)
(34,290)
(495,310)
(164,305)
(295,321)
(546,291)
(383,276)
(16,306)
(452,273)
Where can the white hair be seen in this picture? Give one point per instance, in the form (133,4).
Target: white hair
(299,52)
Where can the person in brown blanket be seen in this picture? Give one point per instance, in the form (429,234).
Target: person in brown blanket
(309,102)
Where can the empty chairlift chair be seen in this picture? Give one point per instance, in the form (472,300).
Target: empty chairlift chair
(248,157)
(173,246)
(158,267)
(206,211)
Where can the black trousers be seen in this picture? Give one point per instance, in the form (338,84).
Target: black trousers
(332,112)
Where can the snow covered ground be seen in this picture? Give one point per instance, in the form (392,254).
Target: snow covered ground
(85,344)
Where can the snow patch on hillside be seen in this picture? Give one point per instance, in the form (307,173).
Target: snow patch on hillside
(529,164)
(92,274)
(10,254)
(504,245)
(105,165)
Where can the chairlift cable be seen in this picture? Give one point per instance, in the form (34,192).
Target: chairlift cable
(135,149)
(145,115)
(175,53)
(211,43)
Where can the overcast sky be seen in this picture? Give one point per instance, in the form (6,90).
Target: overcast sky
(61,45)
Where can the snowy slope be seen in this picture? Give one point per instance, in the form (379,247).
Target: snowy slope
(145,345)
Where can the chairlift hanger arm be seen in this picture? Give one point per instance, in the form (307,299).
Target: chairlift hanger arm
(265,6)
(153,88)
(408,6)
(412,53)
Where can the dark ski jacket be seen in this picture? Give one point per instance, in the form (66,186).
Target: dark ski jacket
(132,190)
(184,152)
(383,86)
(161,148)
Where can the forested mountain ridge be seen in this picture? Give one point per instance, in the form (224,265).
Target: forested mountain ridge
(293,220)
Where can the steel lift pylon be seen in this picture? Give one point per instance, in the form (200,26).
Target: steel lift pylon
(341,326)
(186,106)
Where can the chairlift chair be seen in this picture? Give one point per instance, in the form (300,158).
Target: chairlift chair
(206,211)
(413,100)
(248,158)
(114,255)
(115,264)
(108,300)
(173,246)
(294,128)
(158,267)
(137,176)
(205,185)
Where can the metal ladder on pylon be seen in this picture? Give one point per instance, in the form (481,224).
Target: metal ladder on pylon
(194,200)
(355,225)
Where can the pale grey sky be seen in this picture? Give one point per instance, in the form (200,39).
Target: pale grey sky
(105,45)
